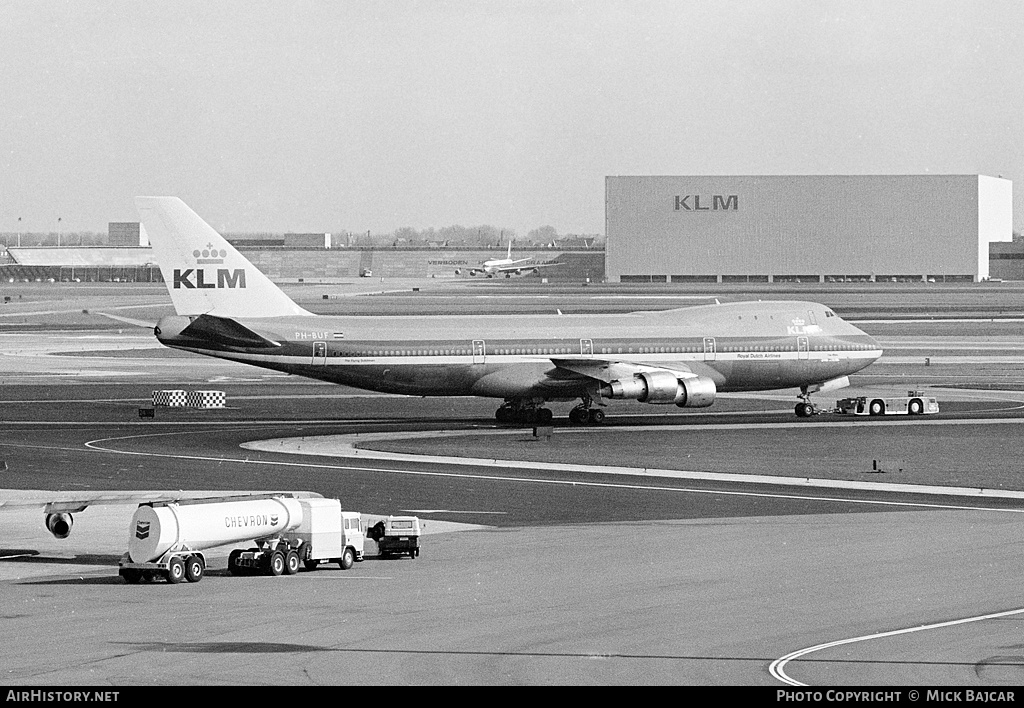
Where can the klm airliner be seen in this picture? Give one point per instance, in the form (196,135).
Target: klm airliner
(226,308)
(509,266)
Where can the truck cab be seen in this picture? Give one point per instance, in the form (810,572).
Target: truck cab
(329,534)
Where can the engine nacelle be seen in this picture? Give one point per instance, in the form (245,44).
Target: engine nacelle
(59,524)
(666,387)
(700,392)
(458,271)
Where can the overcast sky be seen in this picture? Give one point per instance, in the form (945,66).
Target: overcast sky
(321,116)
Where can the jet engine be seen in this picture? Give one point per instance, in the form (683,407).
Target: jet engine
(458,271)
(666,387)
(59,524)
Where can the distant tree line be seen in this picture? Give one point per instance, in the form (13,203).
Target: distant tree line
(452,237)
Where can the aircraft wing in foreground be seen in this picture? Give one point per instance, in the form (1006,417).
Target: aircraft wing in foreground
(58,507)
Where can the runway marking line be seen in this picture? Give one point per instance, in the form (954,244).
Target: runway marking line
(777,667)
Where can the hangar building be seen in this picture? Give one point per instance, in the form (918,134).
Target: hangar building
(818,228)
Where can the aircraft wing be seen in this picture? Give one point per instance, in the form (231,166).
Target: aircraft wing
(608,371)
(67,502)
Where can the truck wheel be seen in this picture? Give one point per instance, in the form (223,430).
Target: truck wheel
(877,407)
(276,565)
(130,575)
(292,563)
(915,407)
(233,562)
(311,564)
(194,569)
(175,570)
(347,559)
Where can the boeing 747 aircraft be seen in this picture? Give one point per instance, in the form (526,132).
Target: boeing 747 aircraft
(226,308)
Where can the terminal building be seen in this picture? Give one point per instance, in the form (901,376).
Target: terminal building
(812,228)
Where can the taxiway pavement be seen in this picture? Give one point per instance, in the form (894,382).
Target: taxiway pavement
(561,577)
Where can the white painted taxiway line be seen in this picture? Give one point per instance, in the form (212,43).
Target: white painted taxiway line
(31,313)
(346,446)
(778,667)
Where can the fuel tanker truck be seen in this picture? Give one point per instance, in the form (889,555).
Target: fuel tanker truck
(168,540)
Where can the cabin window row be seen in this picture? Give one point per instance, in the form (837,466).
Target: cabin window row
(546,351)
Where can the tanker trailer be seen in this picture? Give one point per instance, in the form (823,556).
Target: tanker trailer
(167,540)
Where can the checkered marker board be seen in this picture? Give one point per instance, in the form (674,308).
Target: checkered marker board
(206,399)
(176,398)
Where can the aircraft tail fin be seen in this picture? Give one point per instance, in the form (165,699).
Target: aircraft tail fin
(509,256)
(203,272)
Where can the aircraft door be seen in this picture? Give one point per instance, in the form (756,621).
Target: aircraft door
(709,348)
(319,353)
(479,351)
(802,347)
(587,347)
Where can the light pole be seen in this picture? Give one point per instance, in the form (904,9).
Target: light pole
(19,232)
(58,232)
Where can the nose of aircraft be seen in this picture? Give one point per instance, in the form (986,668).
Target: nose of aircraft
(872,342)
(873,346)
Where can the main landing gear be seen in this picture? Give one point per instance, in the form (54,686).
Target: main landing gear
(520,411)
(530,412)
(583,414)
(805,408)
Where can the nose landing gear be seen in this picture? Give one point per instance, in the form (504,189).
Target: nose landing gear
(806,408)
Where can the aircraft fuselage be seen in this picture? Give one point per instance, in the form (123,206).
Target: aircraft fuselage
(740,346)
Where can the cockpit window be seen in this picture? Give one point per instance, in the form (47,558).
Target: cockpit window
(829,313)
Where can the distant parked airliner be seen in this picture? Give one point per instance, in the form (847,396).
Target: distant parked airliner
(226,308)
(508,265)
